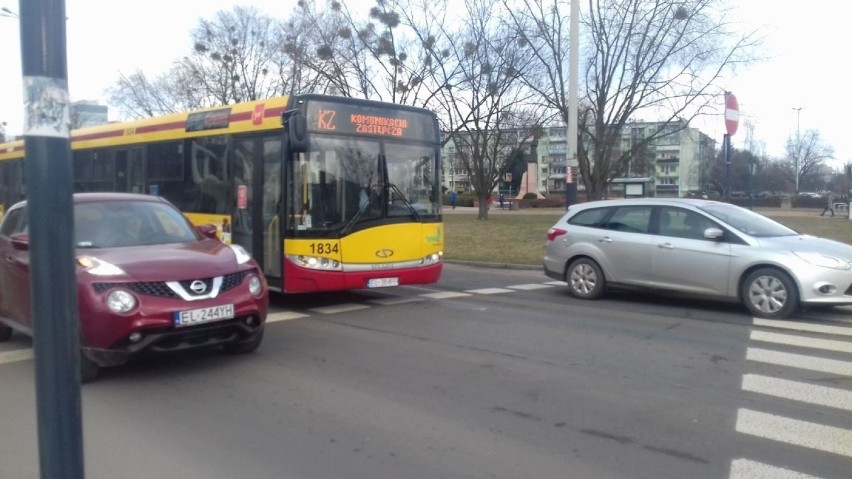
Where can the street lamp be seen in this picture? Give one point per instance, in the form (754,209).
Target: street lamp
(798,145)
(5,12)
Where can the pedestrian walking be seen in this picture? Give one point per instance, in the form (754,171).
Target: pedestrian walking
(829,204)
(453,199)
(502,200)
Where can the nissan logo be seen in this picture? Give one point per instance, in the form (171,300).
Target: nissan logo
(198,286)
(384,253)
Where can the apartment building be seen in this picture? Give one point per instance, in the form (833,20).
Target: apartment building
(672,165)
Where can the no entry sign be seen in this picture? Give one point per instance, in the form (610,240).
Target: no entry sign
(732,113)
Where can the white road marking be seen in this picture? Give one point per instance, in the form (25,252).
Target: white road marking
(16,355)
(556,283)
(444,295)
(489,291)
(798,391)
(813,328)
(340,308)
(529,287)
(284,316)
(745,469)
(830,366)
(791,431)
(396,300)
(803,341)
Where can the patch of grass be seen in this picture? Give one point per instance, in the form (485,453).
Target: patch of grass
(520,238)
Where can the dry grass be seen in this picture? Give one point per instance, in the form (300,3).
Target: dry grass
(519,238)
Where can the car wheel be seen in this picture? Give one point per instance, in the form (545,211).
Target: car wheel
(244,347)
(770,293)
(585,279)
(5,332)
(88,369)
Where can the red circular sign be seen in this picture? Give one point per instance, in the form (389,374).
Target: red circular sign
(732,113)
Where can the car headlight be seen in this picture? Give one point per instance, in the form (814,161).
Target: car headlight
(121,301)
(255,285)
(241,253)
(819,259)
(99,267)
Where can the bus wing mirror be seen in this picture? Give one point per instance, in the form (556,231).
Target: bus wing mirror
(297,130)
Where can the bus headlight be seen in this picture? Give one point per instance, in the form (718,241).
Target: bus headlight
(432,258)
(120,301)
(317,262)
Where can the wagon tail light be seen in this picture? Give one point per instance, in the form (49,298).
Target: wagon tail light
(554,233)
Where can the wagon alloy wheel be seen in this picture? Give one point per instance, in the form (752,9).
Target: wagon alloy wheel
(770,293)
(585,279)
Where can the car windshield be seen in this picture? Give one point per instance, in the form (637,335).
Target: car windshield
(747,221)
(110,224)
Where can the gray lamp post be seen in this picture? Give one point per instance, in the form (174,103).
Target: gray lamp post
(798,144)
(752,170)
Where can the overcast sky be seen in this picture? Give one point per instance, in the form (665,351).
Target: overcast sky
(805,47)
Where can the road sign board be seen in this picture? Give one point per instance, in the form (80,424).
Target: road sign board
(732,113)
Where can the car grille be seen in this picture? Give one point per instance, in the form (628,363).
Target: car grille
(160,289)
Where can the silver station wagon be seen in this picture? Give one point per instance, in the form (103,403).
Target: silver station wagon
(701,247)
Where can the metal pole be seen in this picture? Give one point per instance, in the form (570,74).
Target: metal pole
(574,66)
(48,173)
(798,145)
(726,144)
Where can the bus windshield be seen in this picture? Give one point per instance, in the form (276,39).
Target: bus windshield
(343,182)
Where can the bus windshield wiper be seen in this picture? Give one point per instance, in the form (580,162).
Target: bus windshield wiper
(398,194)
(358,215)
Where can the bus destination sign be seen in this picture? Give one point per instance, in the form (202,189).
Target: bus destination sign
(326,117)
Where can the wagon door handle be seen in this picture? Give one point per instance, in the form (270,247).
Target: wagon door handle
(605,239)
(665,246)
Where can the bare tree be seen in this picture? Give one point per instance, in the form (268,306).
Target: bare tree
(807,152)
(237,56)
(493,111)
(663,58)
(379,52)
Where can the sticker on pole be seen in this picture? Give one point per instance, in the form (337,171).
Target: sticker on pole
(47,110)
(732,113)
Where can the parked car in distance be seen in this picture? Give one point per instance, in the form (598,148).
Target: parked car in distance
(695,246)
(148,281)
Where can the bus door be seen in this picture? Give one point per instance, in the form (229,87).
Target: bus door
(129,170)
(256,168)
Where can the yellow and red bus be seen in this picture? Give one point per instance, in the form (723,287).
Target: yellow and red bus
(327,193)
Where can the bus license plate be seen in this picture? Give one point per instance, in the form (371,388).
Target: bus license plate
(382,282)
(203,315)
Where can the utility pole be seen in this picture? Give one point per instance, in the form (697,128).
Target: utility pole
(47,168)
(798,145)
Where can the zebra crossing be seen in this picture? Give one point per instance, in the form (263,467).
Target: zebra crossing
(820,351)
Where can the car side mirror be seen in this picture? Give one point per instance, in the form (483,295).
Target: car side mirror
(20,241)
(208,230)
(713,233)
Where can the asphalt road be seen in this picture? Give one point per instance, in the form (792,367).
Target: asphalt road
(488,374)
